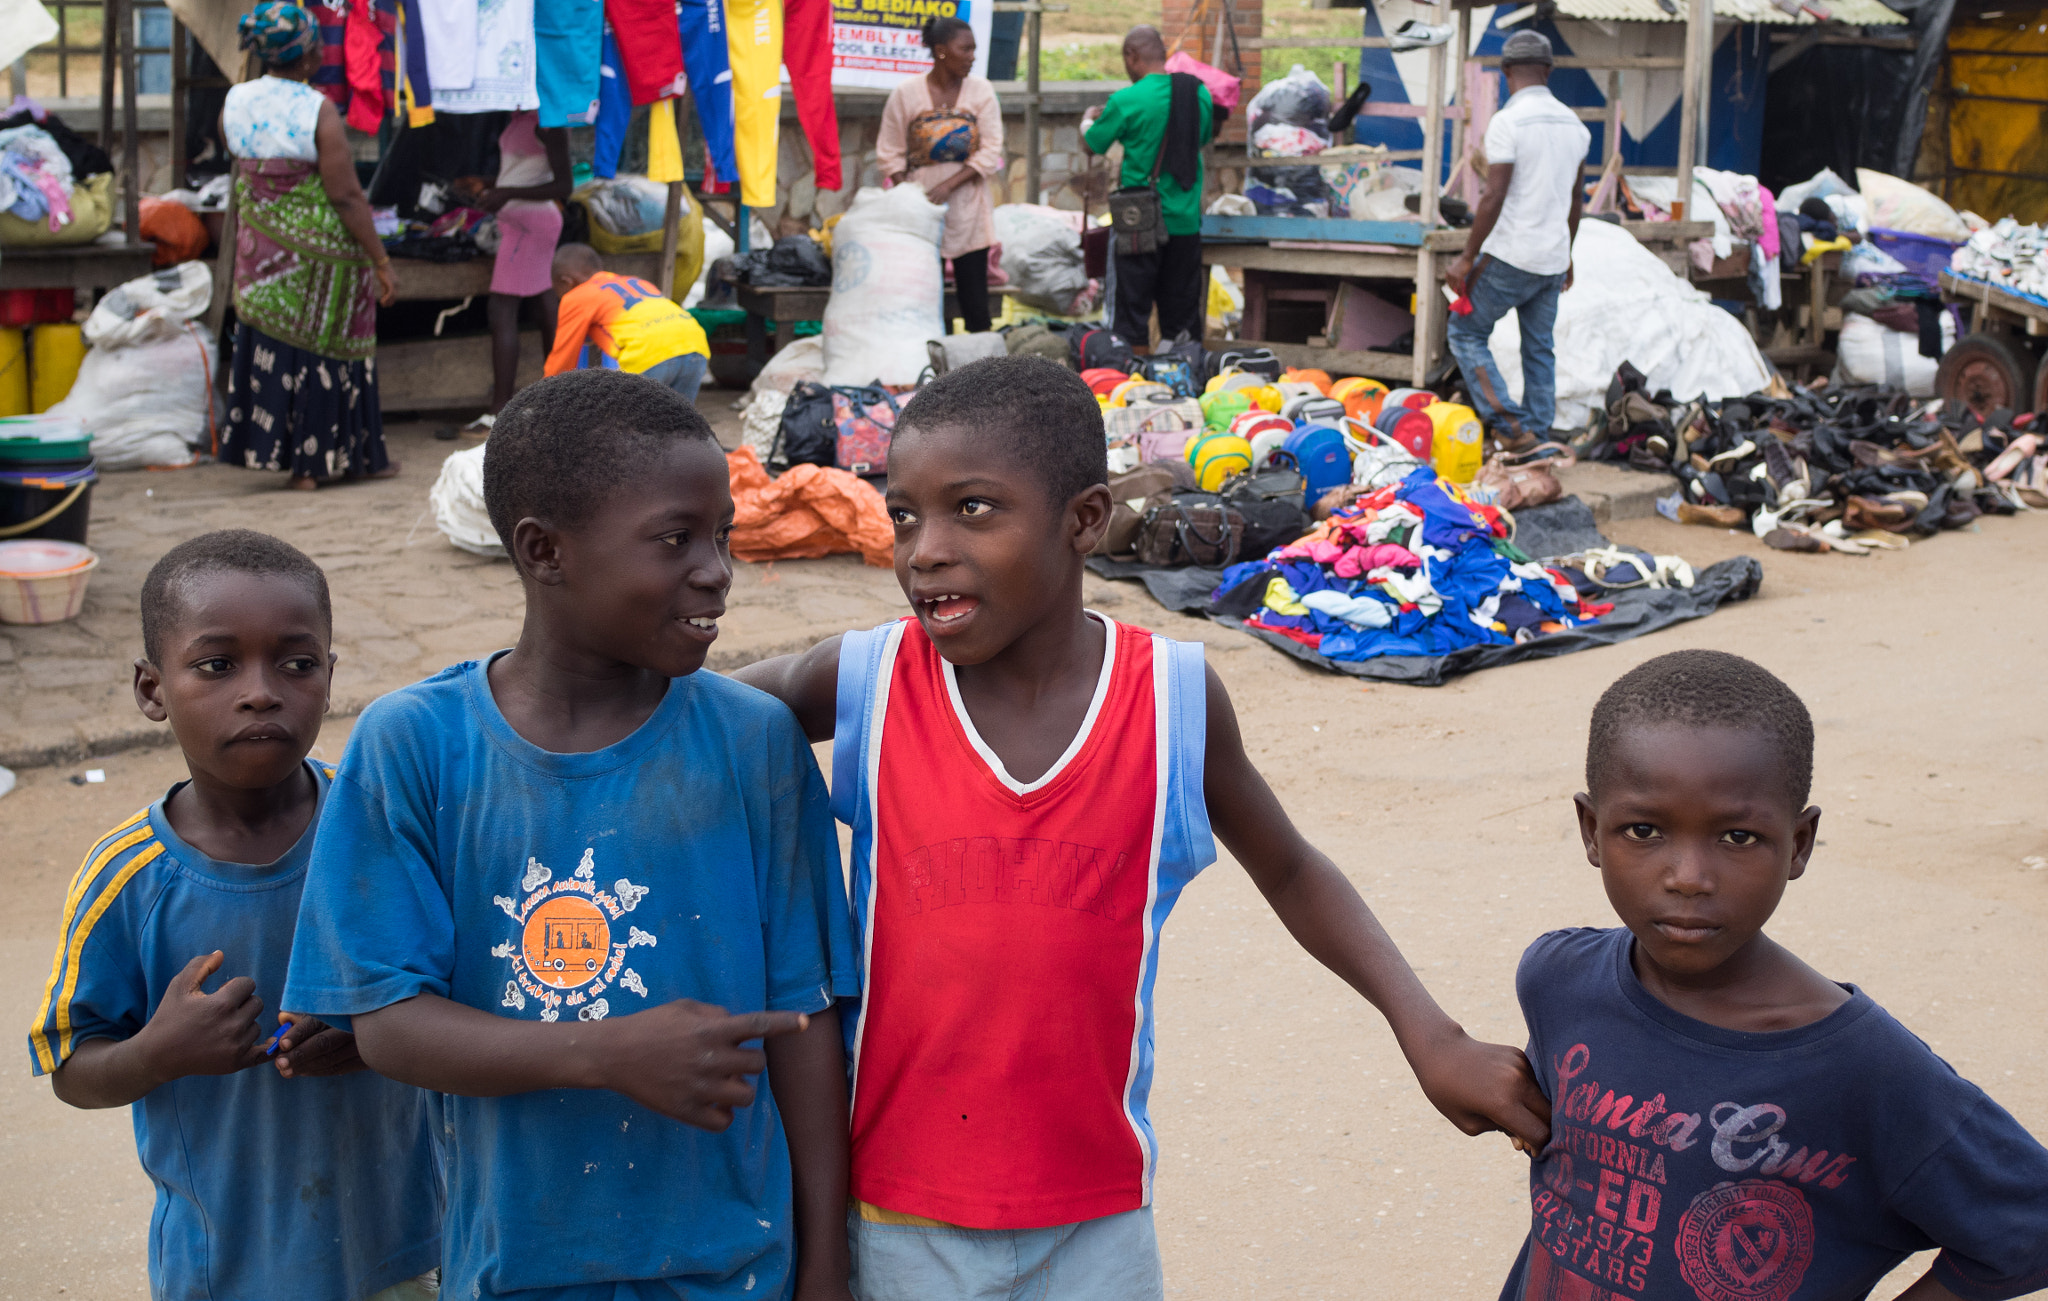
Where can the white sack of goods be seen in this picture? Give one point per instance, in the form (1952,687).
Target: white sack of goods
(457,500)
(1626,305)
(888,291)
(147,404)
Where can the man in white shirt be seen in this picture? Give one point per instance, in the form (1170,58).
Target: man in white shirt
(1519,255)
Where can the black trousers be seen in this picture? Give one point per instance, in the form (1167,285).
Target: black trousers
(970,285)
(1169,277)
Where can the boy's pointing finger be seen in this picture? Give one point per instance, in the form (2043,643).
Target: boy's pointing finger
(764,1025)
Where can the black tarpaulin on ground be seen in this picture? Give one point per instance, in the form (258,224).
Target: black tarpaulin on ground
(1554,530)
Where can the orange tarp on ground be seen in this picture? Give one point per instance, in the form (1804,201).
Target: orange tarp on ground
(810,511)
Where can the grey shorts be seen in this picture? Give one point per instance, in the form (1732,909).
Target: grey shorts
(1115,1258)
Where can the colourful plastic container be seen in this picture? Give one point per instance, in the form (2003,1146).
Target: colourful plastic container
(13,372)
(1457,445)
(55,354)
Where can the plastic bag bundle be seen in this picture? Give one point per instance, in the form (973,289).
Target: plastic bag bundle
(1041,256)
(457,501)
(151,308)
(627,205)
(888,290)
(1901,205)
(1290,118)
(148,403)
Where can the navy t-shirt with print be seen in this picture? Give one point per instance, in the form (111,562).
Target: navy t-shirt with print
(1688,1161)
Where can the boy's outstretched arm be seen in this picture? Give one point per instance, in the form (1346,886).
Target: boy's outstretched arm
(1478,1086)
(807,682)
(807,1071)
(682,1059)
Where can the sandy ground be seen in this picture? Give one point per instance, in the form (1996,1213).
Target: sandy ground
(1300,1160)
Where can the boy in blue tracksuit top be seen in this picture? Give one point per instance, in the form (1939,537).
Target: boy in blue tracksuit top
(282,1167)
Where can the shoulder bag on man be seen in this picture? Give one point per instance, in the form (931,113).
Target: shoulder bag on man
(1135,211)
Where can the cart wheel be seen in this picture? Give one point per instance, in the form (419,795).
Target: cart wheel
(2041,385)
(1985,372)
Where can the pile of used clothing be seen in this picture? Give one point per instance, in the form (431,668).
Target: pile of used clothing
(2008,255)
(1416,568)
(43,167)
(1824,468)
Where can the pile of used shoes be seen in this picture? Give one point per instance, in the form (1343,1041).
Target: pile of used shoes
(1415,568)
(1823,469)
(2009,255)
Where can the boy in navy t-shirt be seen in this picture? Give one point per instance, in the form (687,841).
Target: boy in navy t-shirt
(282,1167)
(544,877)
(1729,1124)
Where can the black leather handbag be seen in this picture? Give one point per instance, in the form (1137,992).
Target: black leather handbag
(1136,215)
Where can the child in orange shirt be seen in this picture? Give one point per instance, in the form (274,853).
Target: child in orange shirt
(617,322)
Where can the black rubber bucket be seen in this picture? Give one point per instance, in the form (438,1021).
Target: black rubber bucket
(46,499)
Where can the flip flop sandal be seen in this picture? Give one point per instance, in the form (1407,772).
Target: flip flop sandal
(480,427)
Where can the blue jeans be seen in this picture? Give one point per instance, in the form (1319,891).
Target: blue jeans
(1115,1258)
(684,374)
(1495,289)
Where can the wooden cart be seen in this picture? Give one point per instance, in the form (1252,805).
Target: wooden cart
(2002,362)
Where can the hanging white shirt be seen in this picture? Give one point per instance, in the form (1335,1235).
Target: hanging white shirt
(1547,144)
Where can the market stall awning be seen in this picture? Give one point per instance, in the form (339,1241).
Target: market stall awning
(1852,13)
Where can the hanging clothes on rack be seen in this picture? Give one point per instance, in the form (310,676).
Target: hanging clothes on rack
(649,45)
(451,31)
(709,68)
(505,73)
(807,53)
(417,89)
(753,35)
(568,40)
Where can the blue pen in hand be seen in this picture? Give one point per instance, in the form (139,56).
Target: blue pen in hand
(270,1049)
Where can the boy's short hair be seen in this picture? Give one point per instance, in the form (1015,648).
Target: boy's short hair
(240,551)
(561,445)
(1704,688)
(1038,410)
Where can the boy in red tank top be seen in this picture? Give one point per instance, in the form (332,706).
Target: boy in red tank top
(1030,786)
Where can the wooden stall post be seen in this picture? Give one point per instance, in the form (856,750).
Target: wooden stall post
(180,77)
(1699,18)
(1034,17)
(674,215)
(1433,137)
(110,57)
(1463,113)
(131,135)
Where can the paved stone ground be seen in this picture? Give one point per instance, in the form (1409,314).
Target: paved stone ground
(406,603)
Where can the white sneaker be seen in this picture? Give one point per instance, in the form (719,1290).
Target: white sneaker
(1418,35)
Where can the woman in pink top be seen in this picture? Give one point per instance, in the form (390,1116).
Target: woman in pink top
(944,131)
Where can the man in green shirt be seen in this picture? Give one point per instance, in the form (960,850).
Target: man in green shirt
(1140,116)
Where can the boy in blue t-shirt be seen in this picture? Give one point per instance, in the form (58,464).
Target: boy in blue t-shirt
(1727,1123)
(544,877)
(282,1167)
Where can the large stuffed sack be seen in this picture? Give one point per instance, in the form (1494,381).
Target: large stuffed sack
(1897,204)
(1870,353)
(148,404)
(1626,305)
(151,308)
(92,215)
(888,290)
(1041,255)
(457,501)
(626,214)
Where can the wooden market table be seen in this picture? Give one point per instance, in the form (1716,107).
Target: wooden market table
(788,304)
(1276,253)
(1995,365)
(74,266)
(455,372)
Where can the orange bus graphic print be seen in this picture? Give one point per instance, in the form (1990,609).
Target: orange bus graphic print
(569,953)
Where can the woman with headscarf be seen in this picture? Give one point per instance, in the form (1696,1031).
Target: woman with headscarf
(309,271)
(944,131)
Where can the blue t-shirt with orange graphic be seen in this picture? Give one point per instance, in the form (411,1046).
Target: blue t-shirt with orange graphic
(694,859)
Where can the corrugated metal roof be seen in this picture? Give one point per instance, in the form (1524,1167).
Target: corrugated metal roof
(1852,13)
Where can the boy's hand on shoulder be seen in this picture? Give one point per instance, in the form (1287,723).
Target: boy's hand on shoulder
(197,1033)
(312,1048)
(1481,1087)
(684,1059)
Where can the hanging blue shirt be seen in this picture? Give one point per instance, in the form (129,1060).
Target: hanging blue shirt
(324,1188)
(695,859)
(1692,1163)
